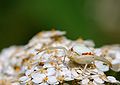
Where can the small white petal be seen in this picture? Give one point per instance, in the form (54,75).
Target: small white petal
(68,78)
(52,79)
(60,53)
(47,65)
(37,77)
(116,61)
(98,52)
(85,81)
(98,80)
(118,55)
(46,57)
(74,73)
(112,79)
(48,34)
(9,70)
(89,43)
(101,67)
(38,46)
(37,80)
(51,71)
(94,83)
(16,83)
(28,72)
(116,67)
(36,57)
(24,79)
(31,51)
(67,74)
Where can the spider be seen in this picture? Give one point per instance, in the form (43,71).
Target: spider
(80,54)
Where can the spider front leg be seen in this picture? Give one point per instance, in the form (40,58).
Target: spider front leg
(59,47)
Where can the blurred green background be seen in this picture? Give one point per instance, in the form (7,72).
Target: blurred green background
(90,19)
(98,20)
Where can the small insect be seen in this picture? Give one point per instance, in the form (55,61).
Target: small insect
(81,55)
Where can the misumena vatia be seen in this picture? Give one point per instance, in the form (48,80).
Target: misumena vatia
(80,54)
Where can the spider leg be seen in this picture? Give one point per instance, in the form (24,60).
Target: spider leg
(59,47)
(103,59)
(85,68)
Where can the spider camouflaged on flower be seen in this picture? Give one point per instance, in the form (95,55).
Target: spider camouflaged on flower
(80,54)
(51,59)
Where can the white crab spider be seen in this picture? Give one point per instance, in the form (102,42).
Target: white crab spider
(80,54)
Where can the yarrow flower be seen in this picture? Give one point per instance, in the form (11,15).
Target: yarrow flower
(50,59)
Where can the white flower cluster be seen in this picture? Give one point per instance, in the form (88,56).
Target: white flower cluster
(51,58)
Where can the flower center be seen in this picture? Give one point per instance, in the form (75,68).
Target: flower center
(45,79)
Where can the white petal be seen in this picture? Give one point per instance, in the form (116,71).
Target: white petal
(52,79)
(60,53)
(116,61)
(37,77)
(94,83)
(51,71)
(47,65)
(89,43)
(48,34)
(68,76)
(118,55)
(46,57)
(37,80)
(31,51)
(116,67)
(98,52)
(85,81)
(38,56)
(101,67)
(9,70)
(16,83)
(24,79)
(28,72)
(43,84)
(66,72)
(38,46)
(112,79)
(98,80)
(74,73)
